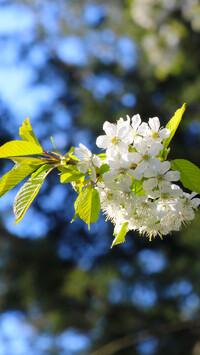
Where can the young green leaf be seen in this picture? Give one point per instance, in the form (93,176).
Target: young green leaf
(30,161)
(103,169)
(173,125)
(190,174)
(87,205)
(27,134)
(137,189)
(120,237)
(27,193)
(19,148)
(14,176)
(41,169)
(70,174)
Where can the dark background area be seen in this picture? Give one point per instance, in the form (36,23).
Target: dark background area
(70,66)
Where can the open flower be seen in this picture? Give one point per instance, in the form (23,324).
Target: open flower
(147,152)
(163,173)
(155,132)
(88,161)
(117,135)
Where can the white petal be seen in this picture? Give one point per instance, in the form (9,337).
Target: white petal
(195,202)
(154,164)
(126,178)
(165,187)
(141,167)
(177,191)
(110,176)
(134,157)
(188,213)
(149,185)
(172,176)
(193,193)
(103,142)
(93,174)
(83,167)
(141,145)
(143,129)
(123,129)
(164,133)
(154,123)
(83,151)
(137,176)
(96,161)
(165,166)
(136,121)
(155,148)
(122,147)
(110,129)
(149,173)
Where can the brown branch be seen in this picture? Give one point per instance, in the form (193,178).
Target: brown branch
(132,339)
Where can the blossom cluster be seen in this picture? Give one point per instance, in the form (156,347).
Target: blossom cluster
(138,186)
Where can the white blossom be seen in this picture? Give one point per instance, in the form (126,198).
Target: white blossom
(88,161)
(155,132)
(158,206)
(116,135)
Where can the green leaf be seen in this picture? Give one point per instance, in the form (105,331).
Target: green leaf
(87,205)
(137,189)
(103,169)
(27,134)
(120,237)
(27,193)
(42,168)
(19,148)
(173,125)
(71,174)
(14,176)
(190,174)
(102,156)
(30,161)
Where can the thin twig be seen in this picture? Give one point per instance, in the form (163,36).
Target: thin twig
(132,339)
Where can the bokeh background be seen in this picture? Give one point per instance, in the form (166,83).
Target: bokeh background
(70,65)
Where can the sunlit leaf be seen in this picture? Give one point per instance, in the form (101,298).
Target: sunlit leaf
(30,161)
(103,169)
(14,176)
(70,174)
(27,134)
(173,125)
(27,193)
(42,168)
(190,174)
(19,148)
(137,189)
(87,205)
(120,237)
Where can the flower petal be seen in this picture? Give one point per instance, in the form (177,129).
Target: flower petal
(165,166)
(154,163)
(96,161)
(154,123)
(103,142)
(164,133)
(83,151)
(110,129)
(136,121)
(143,129)
(93,174)
(172,175)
